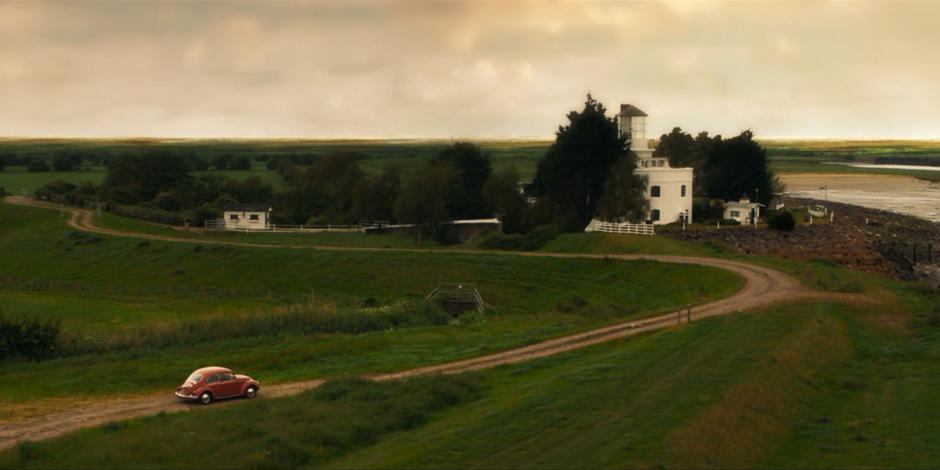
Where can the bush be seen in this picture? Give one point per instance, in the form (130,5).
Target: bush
(534,240)
(168,200)
(63,163)
(206,212)
(782,221)
(200,164)
(38,166)
(240,163)
(28,338)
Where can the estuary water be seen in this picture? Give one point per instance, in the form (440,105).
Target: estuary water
(900,194)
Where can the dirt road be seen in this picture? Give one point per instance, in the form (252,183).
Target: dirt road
(763,286)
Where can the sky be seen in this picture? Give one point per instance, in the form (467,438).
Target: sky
(449,69)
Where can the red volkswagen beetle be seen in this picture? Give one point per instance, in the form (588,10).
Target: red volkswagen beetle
(214,383)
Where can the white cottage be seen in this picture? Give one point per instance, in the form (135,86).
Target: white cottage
(743,210)
(669,190)
(247,216)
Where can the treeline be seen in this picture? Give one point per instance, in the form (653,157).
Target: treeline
(587,172)
(166,182)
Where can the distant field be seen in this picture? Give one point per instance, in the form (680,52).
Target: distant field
(810,156)
(375,155)
(806,156)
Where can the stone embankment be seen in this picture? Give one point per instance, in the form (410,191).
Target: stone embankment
(864,239)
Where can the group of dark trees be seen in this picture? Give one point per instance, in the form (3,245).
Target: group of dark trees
(723,168)
(334,189)
(589,171)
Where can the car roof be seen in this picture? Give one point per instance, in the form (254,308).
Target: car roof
(212,370)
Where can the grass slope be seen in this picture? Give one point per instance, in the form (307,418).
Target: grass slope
(804,385)
(98,285)
(800,385)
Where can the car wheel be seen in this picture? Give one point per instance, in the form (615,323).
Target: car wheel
(205,398)
(251,392)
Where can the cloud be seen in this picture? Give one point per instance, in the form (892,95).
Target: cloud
(440,69)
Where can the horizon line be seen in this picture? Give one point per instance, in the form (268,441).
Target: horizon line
(451,138)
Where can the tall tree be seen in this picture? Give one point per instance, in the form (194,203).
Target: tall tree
(140,177)
(736,167)
(373,197)
(624,194)
(502,193)
(573,171)
(679,147)
(423,199)
(473,168)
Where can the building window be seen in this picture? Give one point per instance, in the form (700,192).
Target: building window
(654,191)
(654,215)
(735,213)
(255,216)
(233,217)
(682,190)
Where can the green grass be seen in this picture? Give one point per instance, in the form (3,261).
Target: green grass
(303,430)
(43,252)
(18,181)
(49,271)
(804,384)
(347,239)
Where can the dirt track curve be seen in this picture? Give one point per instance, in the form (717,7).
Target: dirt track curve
(763,286)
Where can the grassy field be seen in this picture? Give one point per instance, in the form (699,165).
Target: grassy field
(50,271)
(807,384)
(16,180)
(800,385)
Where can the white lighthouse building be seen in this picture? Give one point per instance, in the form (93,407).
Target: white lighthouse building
(668,190)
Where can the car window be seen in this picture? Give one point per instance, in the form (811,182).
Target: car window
(213,379)
(226,377)
(195,378)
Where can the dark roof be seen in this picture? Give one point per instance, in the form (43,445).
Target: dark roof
(247,207)
(629,110)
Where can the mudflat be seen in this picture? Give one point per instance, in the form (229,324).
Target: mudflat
(900,194)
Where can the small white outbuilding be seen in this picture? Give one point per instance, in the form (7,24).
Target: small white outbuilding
(247,216)
(743,210)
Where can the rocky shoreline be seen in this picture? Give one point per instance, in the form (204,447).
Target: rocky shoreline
(860,238)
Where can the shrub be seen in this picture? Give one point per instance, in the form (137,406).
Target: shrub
(63,163)
(168,200)
(534,240)
(205,212)
(200,164)
(28,338)
(38,166)
(240,163)
(782,221)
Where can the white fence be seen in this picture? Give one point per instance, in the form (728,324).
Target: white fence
(219,225)
(620,227)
